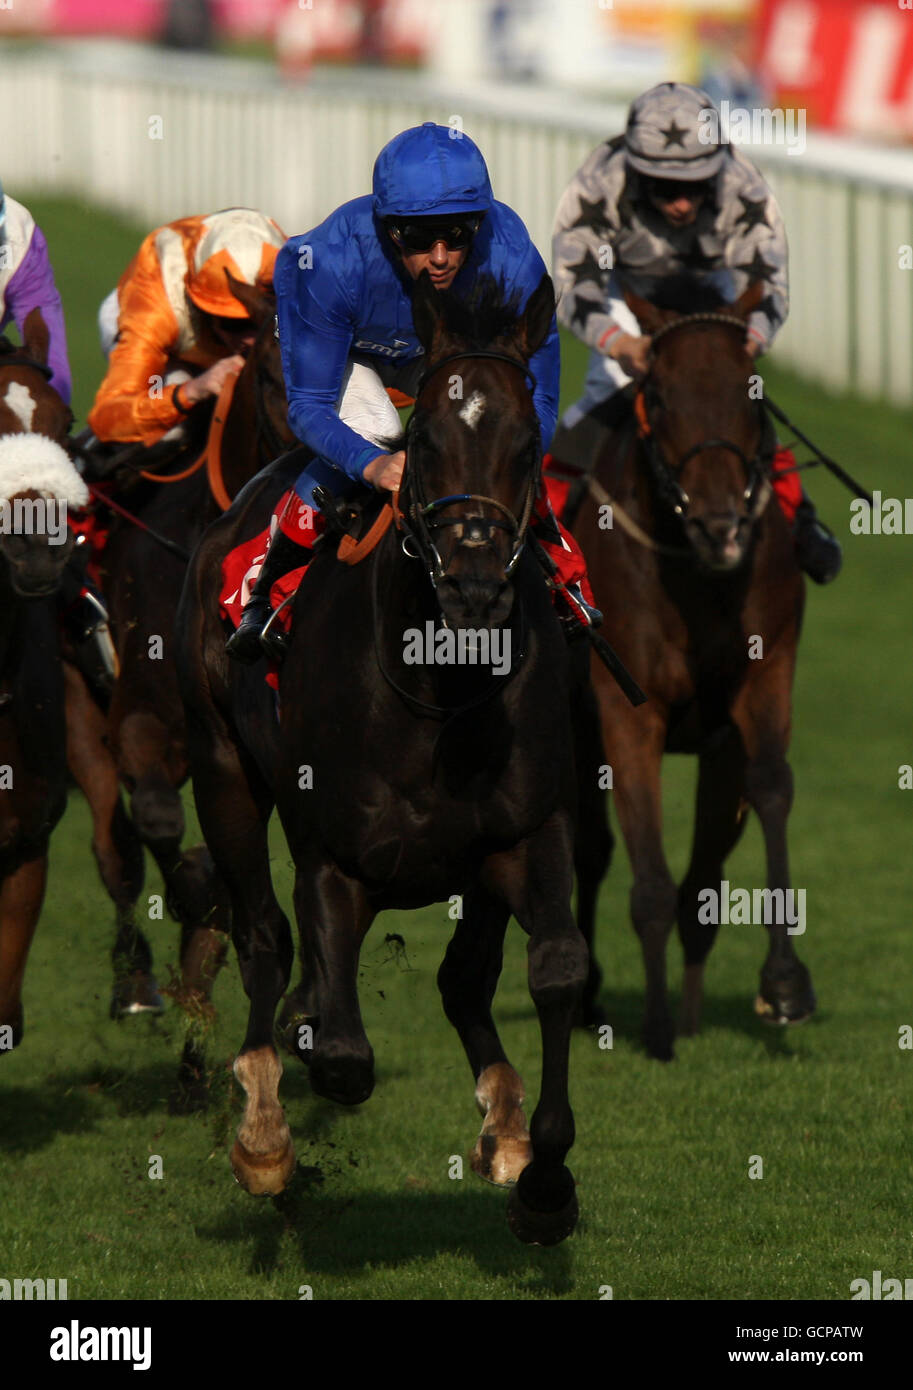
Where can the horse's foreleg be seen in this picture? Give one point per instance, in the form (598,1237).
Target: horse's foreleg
(199,900)
(153,759)
(786,994)
(21,896)
(593,843)
(719,821)
(536,880)
(637,793)
(467,979)
(334,915)
(234,804)
(115,845)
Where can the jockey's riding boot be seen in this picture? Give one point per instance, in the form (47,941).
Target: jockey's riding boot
(284,554)
(817,548)
(574,613)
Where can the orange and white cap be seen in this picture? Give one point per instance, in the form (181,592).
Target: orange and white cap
(242,241)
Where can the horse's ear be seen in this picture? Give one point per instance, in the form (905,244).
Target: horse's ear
(648,316)
(537,318)
(35,337)
(746,303)
(426,313)
(259,306)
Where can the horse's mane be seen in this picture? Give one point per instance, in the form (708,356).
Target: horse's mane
(483,315)
(686,295)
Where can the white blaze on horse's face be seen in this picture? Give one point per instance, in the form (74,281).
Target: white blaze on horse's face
(473,410)
(20,401)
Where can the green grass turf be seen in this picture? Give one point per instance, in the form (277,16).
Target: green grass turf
(668,1210)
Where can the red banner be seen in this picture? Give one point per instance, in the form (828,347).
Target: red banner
(848,62)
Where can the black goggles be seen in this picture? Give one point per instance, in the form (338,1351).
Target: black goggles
(423,233)
(668,190)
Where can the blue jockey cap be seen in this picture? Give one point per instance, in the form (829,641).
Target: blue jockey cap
(428,171)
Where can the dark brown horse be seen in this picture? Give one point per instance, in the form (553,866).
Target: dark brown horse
(37,485)
(703,602)
(402,782)
(144,729)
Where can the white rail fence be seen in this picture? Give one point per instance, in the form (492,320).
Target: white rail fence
(81,120)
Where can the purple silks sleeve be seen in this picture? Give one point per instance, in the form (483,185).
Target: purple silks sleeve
(31,286)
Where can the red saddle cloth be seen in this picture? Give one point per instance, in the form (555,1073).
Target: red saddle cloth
(89,524)
(239,571)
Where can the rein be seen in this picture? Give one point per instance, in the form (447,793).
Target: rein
(447,712)
(168,544)
(211,456)
(212,453)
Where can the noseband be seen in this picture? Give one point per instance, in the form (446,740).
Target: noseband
(424,515)
(666,476)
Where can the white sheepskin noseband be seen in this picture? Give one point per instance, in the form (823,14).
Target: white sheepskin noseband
(32,462)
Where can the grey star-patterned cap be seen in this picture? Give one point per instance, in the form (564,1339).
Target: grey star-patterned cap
(668,138)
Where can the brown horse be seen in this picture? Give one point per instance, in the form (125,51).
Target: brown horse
(703,601)
(145,724)
(37,485)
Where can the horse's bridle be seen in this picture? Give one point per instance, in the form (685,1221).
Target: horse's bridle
(423,515)
(666,476)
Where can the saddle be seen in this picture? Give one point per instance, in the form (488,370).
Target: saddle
(360,528)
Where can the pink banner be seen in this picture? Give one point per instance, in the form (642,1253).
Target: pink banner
(137,18)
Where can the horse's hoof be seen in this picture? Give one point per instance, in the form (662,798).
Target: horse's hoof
(659,1043)
(500,1161)
(347,1080)
(263,1175)
(541,1227)
(778,1017)
(787,999)
(136,993)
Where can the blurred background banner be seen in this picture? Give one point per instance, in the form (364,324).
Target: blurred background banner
(848,62)
(137,18)
(303,31)
(289,108)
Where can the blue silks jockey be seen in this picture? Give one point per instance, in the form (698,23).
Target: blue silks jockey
(344,310)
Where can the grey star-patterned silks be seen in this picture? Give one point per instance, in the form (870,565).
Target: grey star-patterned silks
(769,306)
(753,214)
(591,214)
(697,259)
(674,135)
(583,309)
(587,268)
(757,268)
(740,232)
